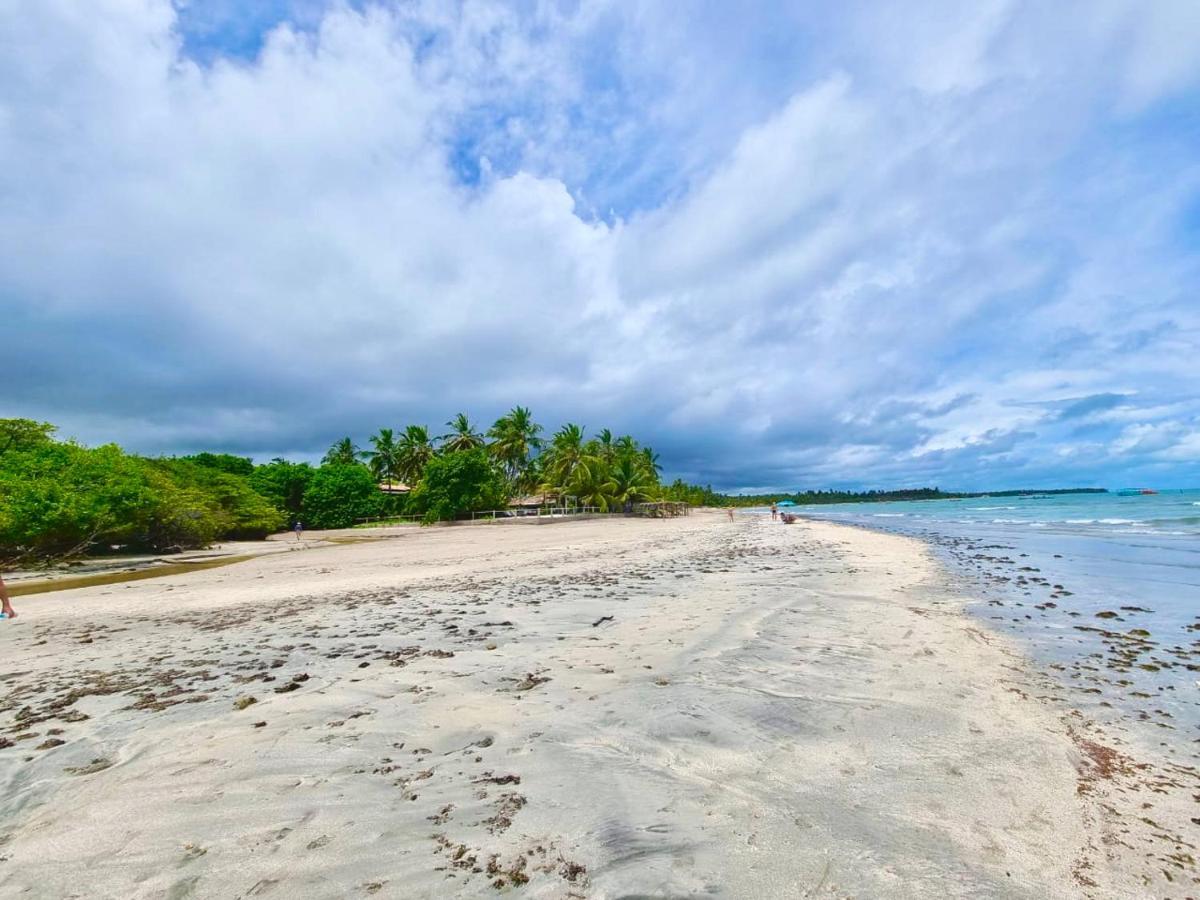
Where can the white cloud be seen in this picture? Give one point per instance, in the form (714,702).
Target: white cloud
(878,261)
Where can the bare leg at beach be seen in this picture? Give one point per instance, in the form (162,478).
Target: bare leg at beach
(6,601)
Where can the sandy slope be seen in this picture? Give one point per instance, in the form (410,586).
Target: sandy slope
(769,712)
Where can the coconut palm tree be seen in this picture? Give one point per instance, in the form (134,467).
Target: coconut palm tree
(515,438)
(603,446)
(589,483)
(462,436)
(342,453)
(628,481)
(384,458)
(414,451)
(650,460)
(565,453)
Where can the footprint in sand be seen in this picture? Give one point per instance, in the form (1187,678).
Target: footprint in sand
(183,888)
(191,852)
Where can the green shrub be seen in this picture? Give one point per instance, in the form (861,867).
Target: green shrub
(283,483)
(223,462)
(466,481)
(61,498)
(338,495)
(219,504)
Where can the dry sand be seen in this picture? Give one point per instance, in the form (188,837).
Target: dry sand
(610,708)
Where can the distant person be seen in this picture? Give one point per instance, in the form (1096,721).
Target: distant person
(730,511)
(6,610)
(299,529)
(774,511)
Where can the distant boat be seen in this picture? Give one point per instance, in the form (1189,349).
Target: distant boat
(1135,492)
(786,503)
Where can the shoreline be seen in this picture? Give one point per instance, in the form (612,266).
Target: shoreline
(768,711)
(1125,666)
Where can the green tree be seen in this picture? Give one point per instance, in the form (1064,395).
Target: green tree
(342,453)
(226,505)
(589,483)
(625,445)
(414,452)
(456,483)
(283,483)
(384,457)
(628,482)
(603,447)
(650,461)
(565,453)
(338,495)
(462,436)
(223,462)
(24,434)
(515,439)
(60,499)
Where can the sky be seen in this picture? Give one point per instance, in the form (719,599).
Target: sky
(789,245)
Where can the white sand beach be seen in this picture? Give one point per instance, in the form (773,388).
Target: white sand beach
(606,708)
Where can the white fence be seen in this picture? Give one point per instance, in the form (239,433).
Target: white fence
(493,515)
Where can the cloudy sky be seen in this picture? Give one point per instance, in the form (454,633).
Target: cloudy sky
(790,244)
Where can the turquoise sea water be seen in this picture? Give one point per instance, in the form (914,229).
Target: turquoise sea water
(1111,516)
(1103,590)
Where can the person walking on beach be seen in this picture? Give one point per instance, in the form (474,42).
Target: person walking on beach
(299,529)
(730,511)
(6,609)
(774,511)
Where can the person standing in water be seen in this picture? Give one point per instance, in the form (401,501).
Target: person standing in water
(6,602)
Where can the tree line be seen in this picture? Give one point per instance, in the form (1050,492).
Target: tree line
(814,498)
(60,498)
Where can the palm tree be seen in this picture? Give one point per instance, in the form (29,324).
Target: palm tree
(565,453)
(342,453)
(414,450)
(604,446)
(384,460)
(589,483)
(462,436)
(628,481)
(515,438)
(650,460)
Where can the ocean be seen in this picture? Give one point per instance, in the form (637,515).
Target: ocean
(1101,590)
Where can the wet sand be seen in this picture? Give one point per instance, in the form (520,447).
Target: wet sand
(615,708)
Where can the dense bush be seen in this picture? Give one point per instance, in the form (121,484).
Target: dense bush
(224,462)
(339,495)
(220,504)
(60,498)
(456,483)
(284,484)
